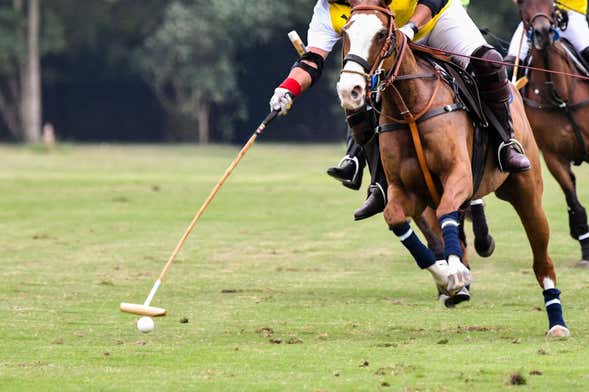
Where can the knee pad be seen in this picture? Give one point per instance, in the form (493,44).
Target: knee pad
(363,124)
(491,75)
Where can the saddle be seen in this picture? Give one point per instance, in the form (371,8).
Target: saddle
(467,97)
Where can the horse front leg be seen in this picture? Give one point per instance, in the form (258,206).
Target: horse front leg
(457,188)
(398,208)
(561,170)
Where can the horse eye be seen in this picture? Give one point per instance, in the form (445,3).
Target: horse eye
(382,34)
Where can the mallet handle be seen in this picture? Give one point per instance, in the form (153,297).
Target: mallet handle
(211,196)
(297,42)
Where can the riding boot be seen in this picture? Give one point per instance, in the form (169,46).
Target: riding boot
(351,167)
(496,92)
(377,191)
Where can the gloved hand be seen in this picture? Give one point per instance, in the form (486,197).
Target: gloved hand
(409,29)
(281,100)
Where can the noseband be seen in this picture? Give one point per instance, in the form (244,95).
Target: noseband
(372,72)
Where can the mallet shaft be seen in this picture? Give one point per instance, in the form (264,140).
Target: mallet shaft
(206,203)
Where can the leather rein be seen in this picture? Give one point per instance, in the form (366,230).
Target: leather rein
(376,84)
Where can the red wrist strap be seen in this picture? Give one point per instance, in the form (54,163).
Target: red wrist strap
(293,86)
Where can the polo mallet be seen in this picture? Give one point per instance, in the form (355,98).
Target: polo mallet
(297,42)
(146,309)
(519,83)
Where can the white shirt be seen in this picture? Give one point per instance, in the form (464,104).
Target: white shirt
(321,33)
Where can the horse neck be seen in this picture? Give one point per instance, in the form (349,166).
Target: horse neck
(555,59)
(413,91)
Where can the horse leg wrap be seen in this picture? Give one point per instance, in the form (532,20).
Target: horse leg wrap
(578,223)
(553,307)
(422,255)
(483,242)
(450,224)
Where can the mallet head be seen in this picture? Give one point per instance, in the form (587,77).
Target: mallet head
(143,310)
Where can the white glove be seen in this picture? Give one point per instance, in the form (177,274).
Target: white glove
(408,30)
(281,101)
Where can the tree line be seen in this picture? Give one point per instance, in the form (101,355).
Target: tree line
(153,70)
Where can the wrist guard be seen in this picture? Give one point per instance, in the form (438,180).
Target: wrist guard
(314,73)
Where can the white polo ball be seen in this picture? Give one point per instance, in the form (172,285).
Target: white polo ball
(145,324)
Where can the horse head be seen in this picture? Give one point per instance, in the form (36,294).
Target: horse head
(540,19)
(368,40)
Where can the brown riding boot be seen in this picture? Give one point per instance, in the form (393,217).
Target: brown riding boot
(511,157)
(496,92)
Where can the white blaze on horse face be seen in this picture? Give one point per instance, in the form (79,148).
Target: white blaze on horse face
(351,86)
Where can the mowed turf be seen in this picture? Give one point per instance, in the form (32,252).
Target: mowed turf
(276,289)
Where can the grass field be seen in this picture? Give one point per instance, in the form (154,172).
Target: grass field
(279,288)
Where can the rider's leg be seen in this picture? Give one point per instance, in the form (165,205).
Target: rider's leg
(377,191)
(351,167)
(456,32)
(496,92)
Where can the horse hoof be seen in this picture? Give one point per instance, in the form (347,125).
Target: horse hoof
(584,264)
(558,331)
(451,301)
(485,248)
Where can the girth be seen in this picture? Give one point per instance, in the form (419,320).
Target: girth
(391,127)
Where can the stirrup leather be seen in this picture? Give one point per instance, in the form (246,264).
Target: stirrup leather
(512,142)
(355,160)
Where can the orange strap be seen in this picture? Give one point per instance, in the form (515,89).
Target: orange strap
(411,120)
(427,175)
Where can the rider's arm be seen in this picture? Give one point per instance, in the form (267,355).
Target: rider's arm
(424,12)
(303,77)
(307,70)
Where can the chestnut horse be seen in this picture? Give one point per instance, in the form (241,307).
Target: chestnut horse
(558,109)
(440,148)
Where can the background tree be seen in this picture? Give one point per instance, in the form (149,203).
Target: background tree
(22,43)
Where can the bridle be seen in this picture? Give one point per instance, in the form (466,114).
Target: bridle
(372,73)
(558,20)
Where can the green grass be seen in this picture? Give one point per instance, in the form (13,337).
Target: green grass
(86,227)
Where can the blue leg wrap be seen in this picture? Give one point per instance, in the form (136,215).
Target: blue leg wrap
(450,223)
(421,253)
(553,307)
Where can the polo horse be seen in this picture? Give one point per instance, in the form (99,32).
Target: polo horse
(557,106)
(427,144)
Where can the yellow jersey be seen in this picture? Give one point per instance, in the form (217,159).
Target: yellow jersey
(579,6)
(403,10)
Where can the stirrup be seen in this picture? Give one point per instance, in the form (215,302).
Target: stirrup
(356,161)
(512,142)
(376,185)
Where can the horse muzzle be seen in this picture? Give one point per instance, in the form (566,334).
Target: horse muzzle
(351,87)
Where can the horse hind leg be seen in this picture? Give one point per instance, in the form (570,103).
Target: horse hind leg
(524,192)
(579,230)
(484,244)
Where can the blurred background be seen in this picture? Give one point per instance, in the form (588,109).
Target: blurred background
(198,71)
